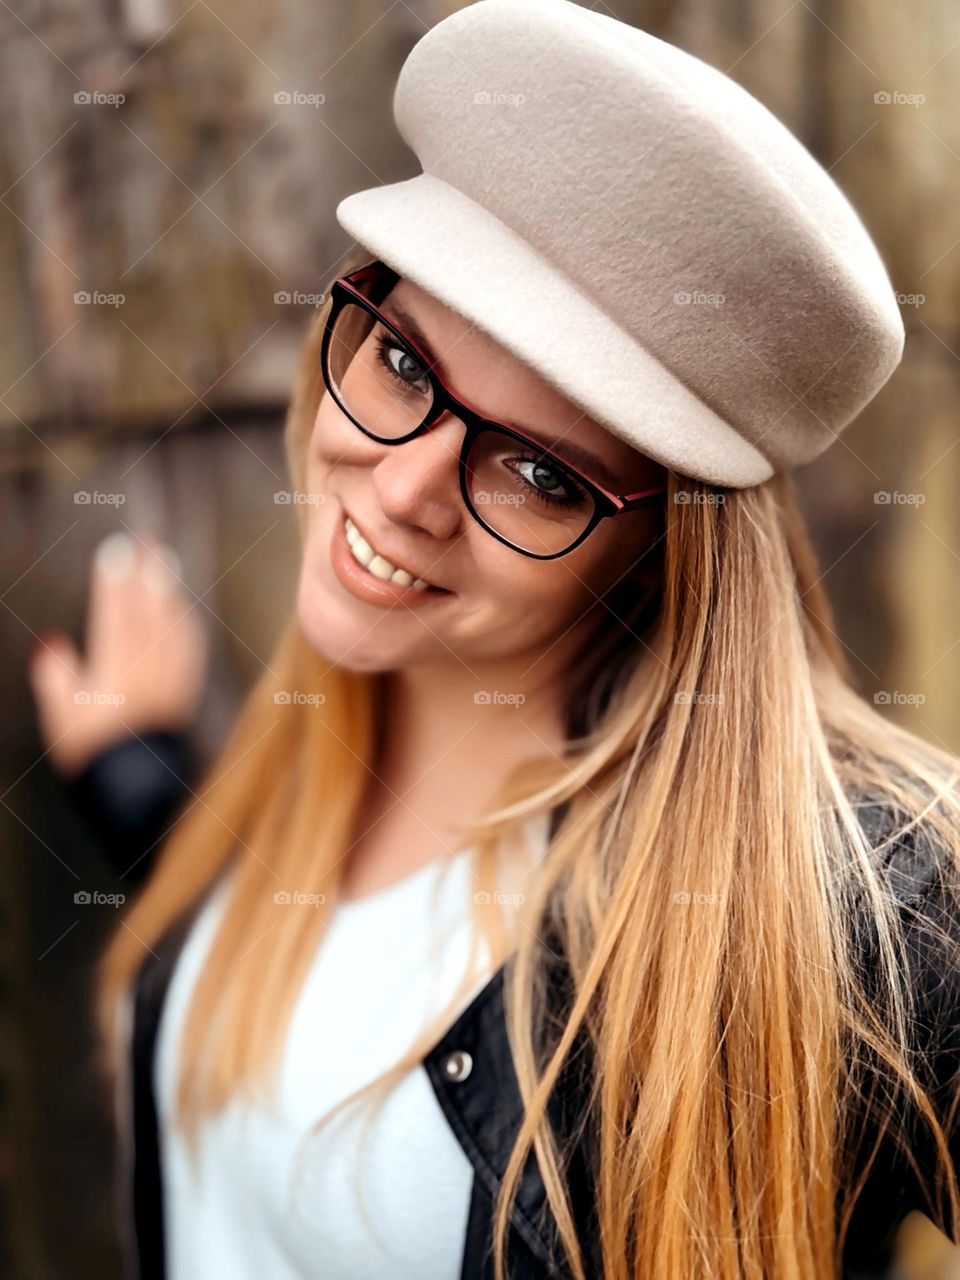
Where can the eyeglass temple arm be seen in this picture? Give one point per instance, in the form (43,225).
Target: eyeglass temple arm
(630,500)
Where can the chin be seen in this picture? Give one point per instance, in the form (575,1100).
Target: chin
(334,631)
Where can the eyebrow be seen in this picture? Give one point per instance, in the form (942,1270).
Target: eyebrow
(588,462)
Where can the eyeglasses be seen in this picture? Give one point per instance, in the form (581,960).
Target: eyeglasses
(525,495)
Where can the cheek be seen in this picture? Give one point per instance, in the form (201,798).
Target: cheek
(333,442)
(324,433)
(540,597)
(333,436)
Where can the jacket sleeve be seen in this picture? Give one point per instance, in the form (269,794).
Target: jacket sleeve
(925,882)
(131,794)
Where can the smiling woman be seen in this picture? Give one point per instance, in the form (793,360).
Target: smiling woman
(435,484)
(559,640)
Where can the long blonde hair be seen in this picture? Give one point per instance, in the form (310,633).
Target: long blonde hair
(701,885)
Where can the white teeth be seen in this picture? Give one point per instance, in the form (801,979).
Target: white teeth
(378,565)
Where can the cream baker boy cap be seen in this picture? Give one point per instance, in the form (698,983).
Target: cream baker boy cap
(640,231)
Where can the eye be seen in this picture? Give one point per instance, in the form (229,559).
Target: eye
(547,481)
(404,368)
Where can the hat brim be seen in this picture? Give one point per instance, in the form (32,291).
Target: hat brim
(433,234)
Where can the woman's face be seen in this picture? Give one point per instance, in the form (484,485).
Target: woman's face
(406,501)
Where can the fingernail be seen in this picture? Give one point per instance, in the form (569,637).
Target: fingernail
(115,556)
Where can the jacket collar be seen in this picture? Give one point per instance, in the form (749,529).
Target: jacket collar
(472,1074)
(483,1107)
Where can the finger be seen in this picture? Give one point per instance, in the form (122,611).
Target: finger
(55,676)
(166,606)
(161,571)
(109,617)
(177,639)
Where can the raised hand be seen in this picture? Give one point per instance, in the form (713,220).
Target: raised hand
(144,663)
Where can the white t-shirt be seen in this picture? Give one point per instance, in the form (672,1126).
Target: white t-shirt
(264,1203)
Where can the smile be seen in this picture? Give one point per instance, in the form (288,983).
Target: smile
(378,564)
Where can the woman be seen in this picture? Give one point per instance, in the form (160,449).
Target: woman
(689,1007)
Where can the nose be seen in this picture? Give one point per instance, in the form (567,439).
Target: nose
(418,482)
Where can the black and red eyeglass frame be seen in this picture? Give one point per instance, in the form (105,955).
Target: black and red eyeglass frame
(348,288)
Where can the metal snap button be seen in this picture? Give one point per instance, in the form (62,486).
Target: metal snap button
(457,1065)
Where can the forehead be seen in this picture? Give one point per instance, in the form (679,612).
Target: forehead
(464,356)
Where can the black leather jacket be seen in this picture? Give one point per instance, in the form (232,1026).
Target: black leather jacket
(132,792)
